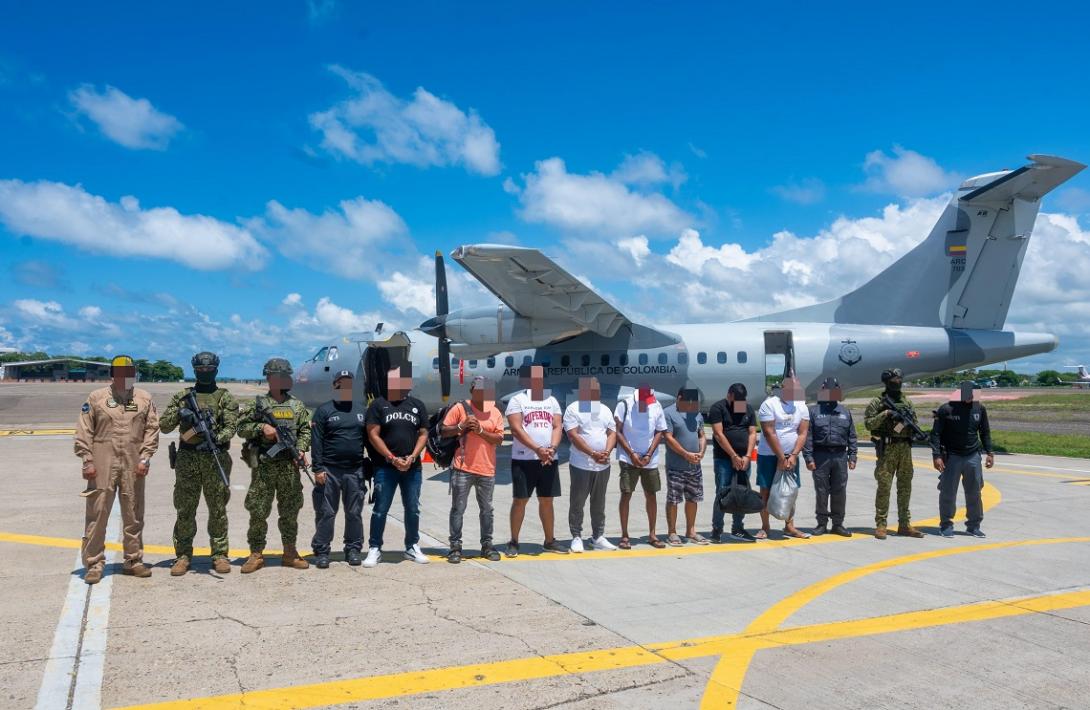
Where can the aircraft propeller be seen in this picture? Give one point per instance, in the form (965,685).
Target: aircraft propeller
(437,326)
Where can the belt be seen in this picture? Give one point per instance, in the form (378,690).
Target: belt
(836,449)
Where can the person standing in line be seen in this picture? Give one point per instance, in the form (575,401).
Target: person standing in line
(592,432)
(960,432)
(734,438)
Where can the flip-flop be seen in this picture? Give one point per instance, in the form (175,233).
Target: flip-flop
(656,543)
(674,541)
(761,535)
(699,539)
(797,534)
(624,544)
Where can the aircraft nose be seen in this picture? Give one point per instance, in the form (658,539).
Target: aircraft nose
(433,326)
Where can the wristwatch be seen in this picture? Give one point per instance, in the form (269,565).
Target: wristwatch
(145,462)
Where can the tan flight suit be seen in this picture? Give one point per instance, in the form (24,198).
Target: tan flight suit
(115,436)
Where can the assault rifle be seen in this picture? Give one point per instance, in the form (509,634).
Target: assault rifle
(285,442)
(202,423)
(906,420)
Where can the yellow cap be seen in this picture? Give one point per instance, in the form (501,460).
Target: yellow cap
(122,361)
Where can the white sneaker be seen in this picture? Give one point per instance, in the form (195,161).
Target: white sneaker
(577,544)
(417,555)
(373,556)
(601,543)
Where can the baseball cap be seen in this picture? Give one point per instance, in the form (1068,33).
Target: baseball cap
(476,383)
(342,373)
(649,399)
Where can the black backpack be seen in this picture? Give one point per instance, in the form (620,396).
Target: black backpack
(442,448)
(738,497)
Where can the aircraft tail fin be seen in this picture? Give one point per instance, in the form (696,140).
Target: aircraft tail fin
(963,274)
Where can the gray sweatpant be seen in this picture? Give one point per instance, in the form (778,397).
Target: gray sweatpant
(586,483)
(830,485)
(460,483)
(968,471)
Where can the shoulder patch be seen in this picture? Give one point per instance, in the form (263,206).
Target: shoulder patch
(86,407)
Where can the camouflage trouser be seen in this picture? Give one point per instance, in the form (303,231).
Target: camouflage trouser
(896,461)
(279,480)
(196,472)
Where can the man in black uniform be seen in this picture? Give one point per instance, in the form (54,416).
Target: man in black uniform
(337,446)
(960,430)
(830,452)
(397,429)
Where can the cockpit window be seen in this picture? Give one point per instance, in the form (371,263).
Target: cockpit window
(333,354)
(320,356)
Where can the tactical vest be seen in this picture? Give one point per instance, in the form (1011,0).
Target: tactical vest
(283,413)
(206,401)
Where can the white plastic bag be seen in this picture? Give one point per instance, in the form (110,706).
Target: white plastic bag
(781,499)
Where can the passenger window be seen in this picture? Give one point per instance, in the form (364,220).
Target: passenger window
(683,358)
(584,360)
(605,361)
(454,362)
(721,357)
(701,358)
(662,358)
(565,360)
(742,357)
(509,361)
(491,362)
(527,361)
(643,358)
(623,359)
(472,364)
(435,363)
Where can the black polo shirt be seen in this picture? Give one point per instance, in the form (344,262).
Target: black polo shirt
(399,425)
(735,428)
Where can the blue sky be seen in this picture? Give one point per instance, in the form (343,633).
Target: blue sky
(257,178)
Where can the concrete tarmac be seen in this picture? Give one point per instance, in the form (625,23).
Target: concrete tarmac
(822,623)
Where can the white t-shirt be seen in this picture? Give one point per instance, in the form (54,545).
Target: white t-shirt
(787,417)
(594,427)
(639,428)
(537,420)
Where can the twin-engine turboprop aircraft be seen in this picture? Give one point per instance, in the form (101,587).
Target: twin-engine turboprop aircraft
(941,306)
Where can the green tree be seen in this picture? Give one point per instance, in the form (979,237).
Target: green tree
(1048,378)
(1008,378)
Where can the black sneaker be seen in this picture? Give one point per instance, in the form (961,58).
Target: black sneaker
(975,532)
(716,536)
(555,546)
(321,561)
(490,553)
(353,557)
(841,531)
(512,549)
(947,531)
(742,535)
(454,556)
(819,530)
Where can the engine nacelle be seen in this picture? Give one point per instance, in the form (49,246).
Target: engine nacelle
(480,332)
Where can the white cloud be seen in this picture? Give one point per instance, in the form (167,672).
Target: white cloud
(292,299)
(691,254)
(406,293)
(595,202)
(319,11)
(48,313)
(637,247)
(647,170)
(697,151)
(342,242)
(134,123)
(411,290)
(90,312)
(906,173)
(807,192)
(71,215)
(374,126)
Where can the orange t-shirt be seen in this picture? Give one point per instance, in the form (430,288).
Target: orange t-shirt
(475,455)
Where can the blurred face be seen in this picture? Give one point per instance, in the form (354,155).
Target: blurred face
(533,378)
(399,383)
(279,383)
(589,393)
(342,389)
(688,401)
(830,394)
(791,390)
(483,394)
(643,395)
(124,378)
(966,391)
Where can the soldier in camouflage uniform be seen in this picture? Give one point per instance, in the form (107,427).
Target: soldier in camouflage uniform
(274,477)
(896,457)
(195,470)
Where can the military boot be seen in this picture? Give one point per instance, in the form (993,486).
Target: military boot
(880,532)
(93,575)
(908,531)
(221,565)
(253,563)
(136,569)
(180,566)
(292,559)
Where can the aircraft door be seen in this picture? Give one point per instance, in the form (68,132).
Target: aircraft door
(377,361)
(779,356)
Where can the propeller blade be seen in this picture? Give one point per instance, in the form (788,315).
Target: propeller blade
(444,368)
(442,307)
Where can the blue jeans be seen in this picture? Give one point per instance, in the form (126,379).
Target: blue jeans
(724,475)
(387,480)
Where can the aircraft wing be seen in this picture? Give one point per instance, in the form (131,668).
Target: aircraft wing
(534,286)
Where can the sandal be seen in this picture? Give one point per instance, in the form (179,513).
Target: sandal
(797,534)
(674,540)
(656,543)
(761,534)
(624,544)
(699,539)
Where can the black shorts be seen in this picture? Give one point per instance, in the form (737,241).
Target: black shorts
(529,477)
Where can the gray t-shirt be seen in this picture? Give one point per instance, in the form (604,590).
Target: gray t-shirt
(686,428)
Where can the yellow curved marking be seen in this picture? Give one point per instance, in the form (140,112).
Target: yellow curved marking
(480,675)
(726,679)
(36,432)
(74,543)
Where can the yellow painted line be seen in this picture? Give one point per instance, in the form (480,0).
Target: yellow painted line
(36,432)
(929,465)
(538,667)
(726,680)
(990,497)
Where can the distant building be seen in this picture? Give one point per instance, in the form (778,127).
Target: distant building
(55,370)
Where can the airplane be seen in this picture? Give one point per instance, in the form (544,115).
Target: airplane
(1083,379)
(942,306)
